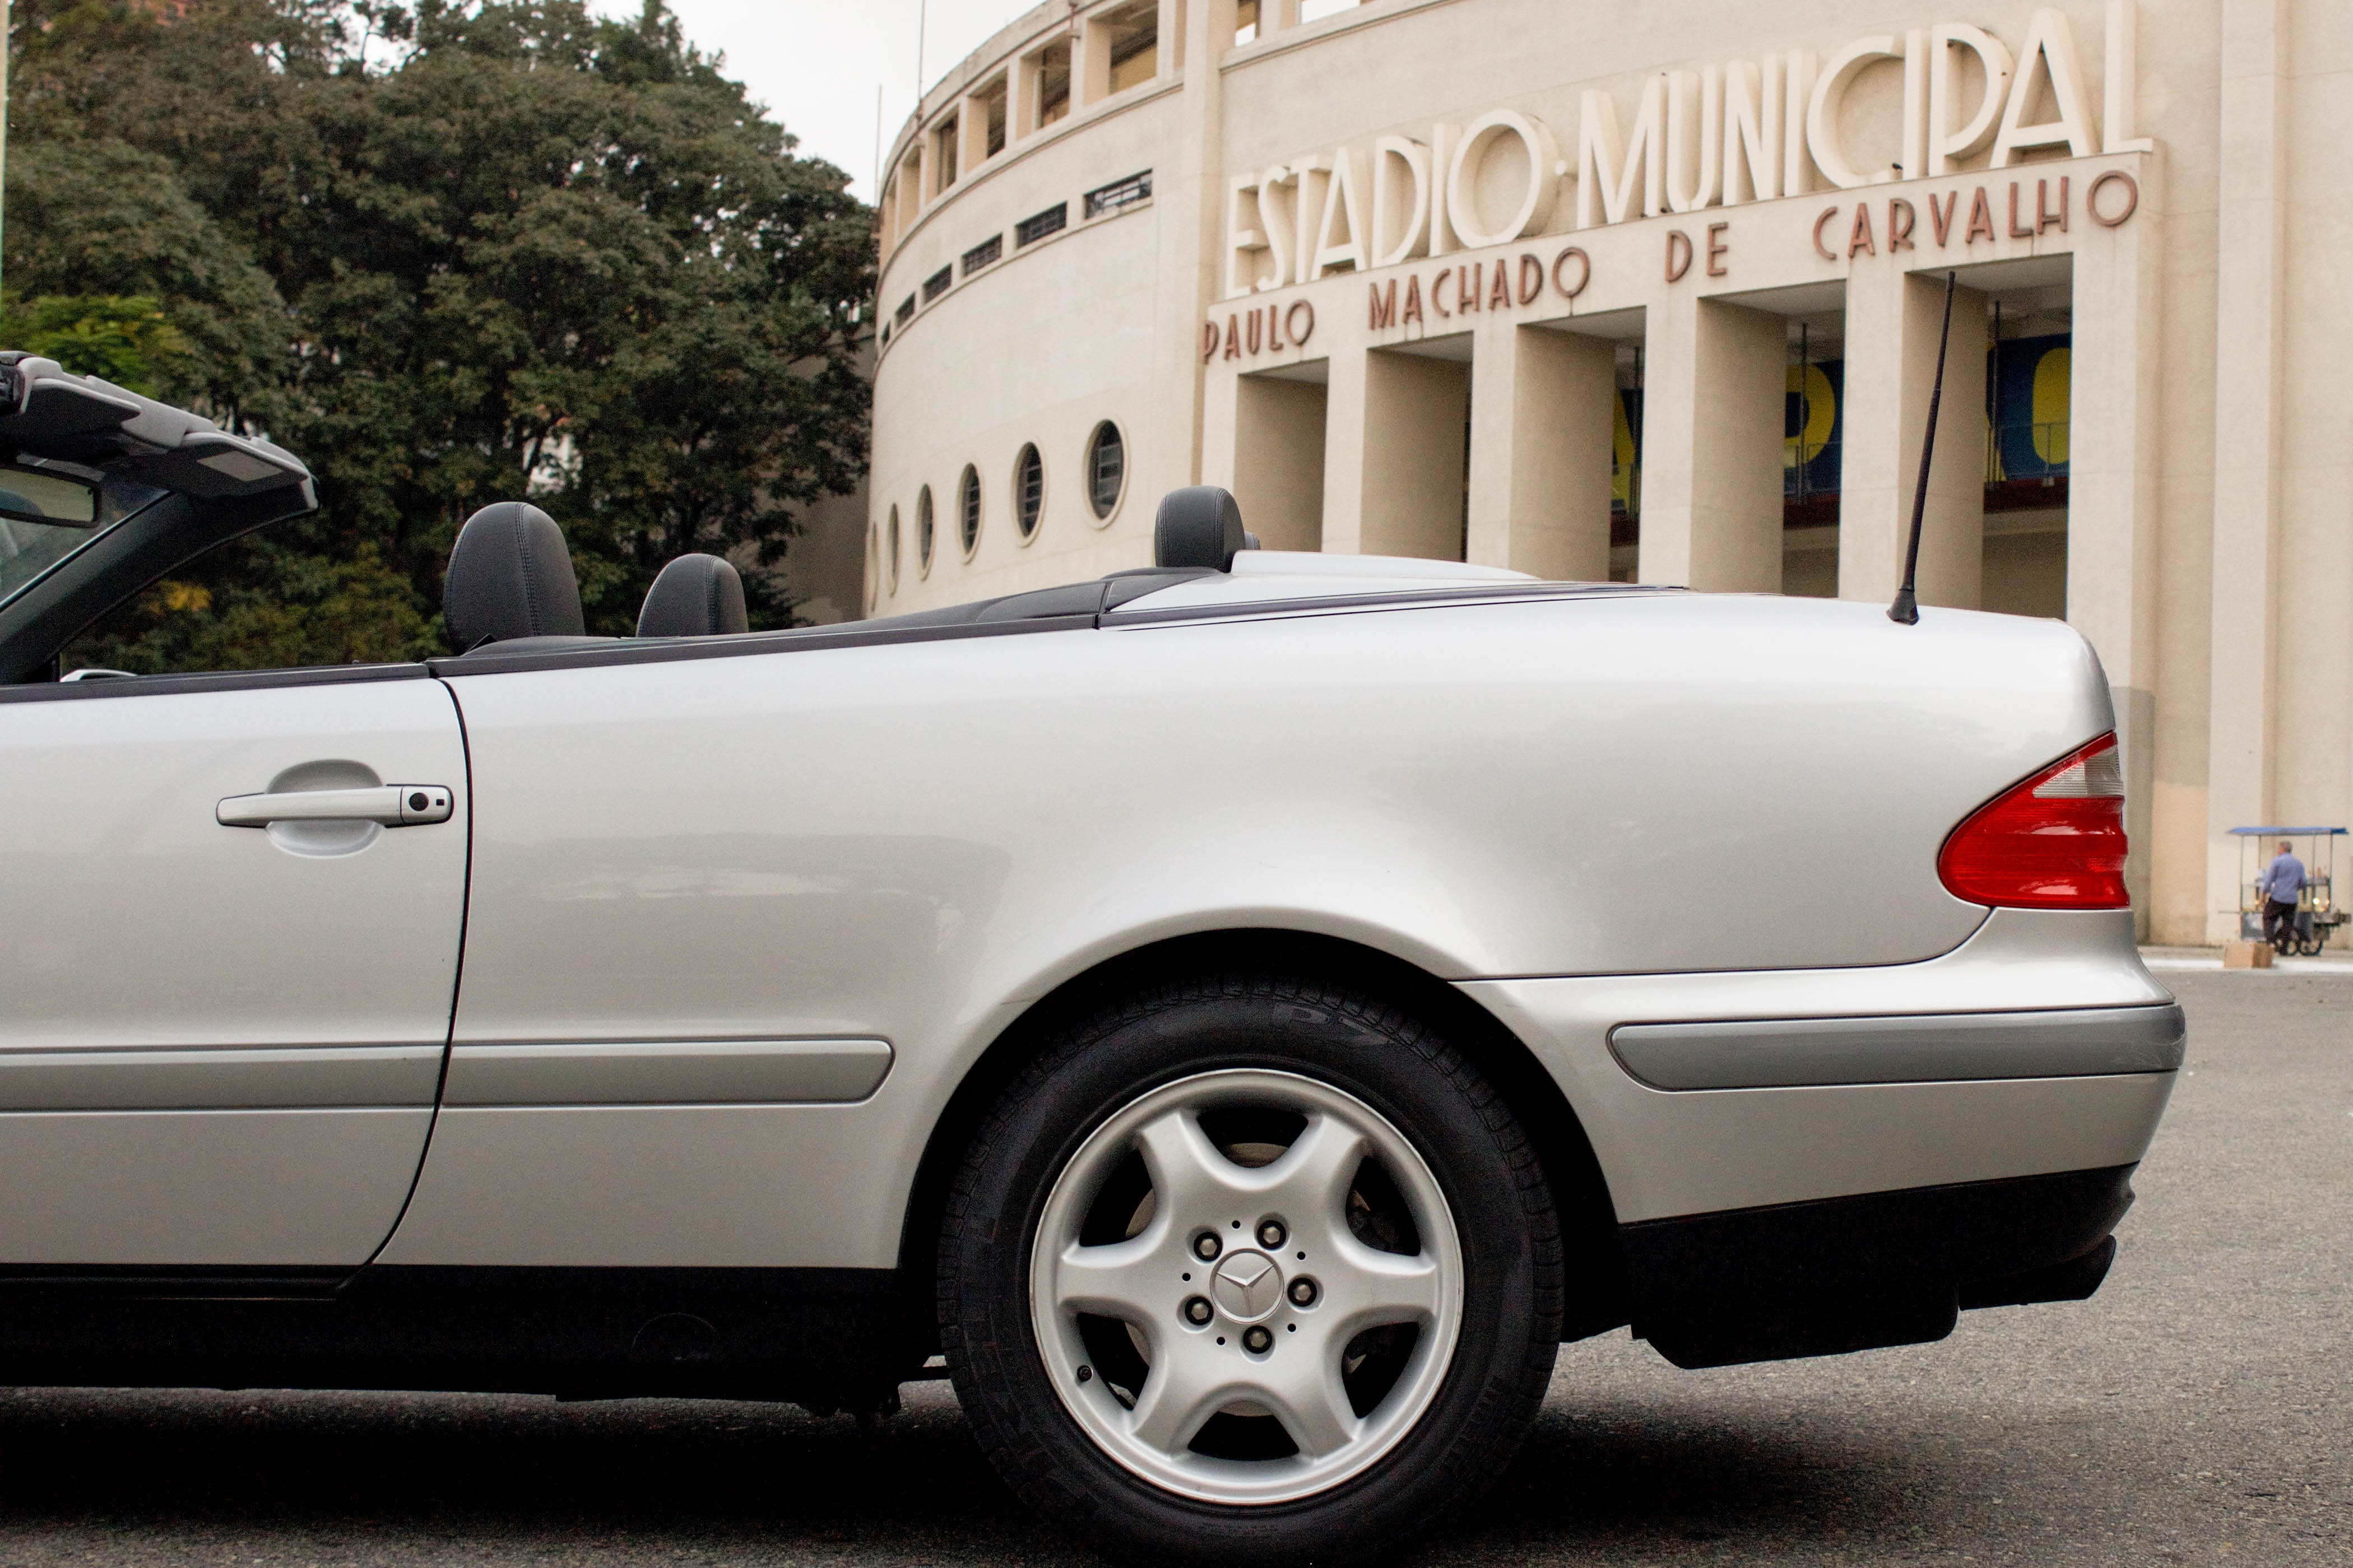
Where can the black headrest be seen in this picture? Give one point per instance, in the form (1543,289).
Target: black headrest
(695,596)
(1199,526)
(510,576)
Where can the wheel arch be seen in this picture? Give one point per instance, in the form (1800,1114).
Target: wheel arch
(1597,1291)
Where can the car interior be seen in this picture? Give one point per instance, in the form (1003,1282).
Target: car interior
(108,491)
(510,584)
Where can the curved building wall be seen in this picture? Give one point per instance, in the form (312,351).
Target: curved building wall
(1039,347)
(1619,365)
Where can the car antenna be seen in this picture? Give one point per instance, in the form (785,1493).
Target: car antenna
(1906,607)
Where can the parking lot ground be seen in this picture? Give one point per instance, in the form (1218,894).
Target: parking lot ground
(2199,1409)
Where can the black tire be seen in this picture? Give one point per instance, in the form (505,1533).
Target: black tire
(1502,1210)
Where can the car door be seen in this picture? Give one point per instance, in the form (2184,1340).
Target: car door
(222,1005)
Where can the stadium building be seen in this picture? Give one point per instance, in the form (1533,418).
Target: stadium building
(1654,293)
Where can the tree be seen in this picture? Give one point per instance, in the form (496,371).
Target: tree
(452,254)
(124,339)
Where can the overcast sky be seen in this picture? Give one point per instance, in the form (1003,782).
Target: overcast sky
(817,63)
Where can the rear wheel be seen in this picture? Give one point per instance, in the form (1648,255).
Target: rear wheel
(1250,1267)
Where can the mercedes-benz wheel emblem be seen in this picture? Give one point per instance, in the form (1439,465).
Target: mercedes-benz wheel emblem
(1248,1286)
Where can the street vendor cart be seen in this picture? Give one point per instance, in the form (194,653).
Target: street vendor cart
(2317,916)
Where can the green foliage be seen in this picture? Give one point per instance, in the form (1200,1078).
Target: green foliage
(125,339)
(451,253)
(251,606)
(97,217)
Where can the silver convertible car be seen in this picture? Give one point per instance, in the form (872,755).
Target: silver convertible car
(1236,1018)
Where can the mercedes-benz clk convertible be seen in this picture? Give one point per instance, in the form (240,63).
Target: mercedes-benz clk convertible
(1236,1018)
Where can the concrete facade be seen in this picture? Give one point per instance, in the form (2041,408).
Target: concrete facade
(1656,293)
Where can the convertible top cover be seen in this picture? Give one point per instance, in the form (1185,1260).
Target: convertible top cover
(50,415)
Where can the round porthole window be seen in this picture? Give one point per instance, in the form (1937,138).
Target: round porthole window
(968,510)
(891,559)
(1106,469)
(1028,492)
(923,530)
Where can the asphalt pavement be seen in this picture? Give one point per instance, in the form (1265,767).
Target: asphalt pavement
(2199,1409)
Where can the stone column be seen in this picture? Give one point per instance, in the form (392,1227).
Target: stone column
(1023,97)
(1346,443)
(2250,352)
(1090,63)
(1713,387)
(1416,409)
(2112,479)
(972,135)
(1278,458)
(1892,321)
(914,192)
(1540,419)
(1190,186)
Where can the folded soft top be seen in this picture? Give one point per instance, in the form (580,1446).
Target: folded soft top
(49,415)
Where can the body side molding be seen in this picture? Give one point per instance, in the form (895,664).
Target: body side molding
(668,1072)
(1782,1053)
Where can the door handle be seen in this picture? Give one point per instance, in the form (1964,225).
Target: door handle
(388,806)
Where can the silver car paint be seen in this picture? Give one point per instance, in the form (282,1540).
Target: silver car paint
(662,1186)
(1668,1152)
(1680,795)
(205,1188)
(156,959)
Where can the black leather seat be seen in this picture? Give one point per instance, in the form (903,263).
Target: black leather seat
(510,577)
(695,596)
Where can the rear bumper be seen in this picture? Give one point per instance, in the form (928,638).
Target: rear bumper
(2039,1047)
(1878,1269)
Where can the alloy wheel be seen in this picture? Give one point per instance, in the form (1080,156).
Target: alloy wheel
(1247,1286)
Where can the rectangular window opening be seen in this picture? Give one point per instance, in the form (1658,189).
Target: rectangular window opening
(984,254)
(1053,83)
(1134,44)
(2030,343)
(944,153)
(1626,467)
(1246,23)
(1119,194)
(992,102)
(1813,447)
(906,310)
(938,283)
(1038,225)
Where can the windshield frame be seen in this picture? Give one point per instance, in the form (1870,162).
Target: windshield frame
(119,500)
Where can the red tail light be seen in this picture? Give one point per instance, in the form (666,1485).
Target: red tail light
(2055,842)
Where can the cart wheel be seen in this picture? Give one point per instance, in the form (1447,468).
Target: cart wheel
(2309,947)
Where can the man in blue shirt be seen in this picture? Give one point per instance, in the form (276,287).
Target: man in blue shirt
(2281,883)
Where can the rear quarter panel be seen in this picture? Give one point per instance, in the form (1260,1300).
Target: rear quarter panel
(915,841)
